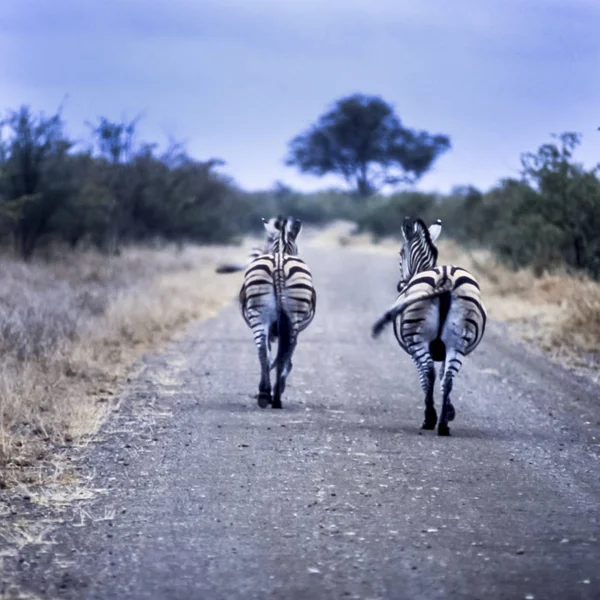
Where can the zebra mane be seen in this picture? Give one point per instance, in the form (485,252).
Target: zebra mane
(416,227)
(418,252)
(282,231)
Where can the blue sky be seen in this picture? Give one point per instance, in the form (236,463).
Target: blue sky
(237,79)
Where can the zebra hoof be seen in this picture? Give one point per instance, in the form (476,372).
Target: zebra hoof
(430,420)
(277,404)
(443,429)
(450,412)
(264,400)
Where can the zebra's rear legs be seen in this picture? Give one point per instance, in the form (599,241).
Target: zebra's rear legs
(264,387)
(284,368)
(450,412)
(452,366)
(426,369)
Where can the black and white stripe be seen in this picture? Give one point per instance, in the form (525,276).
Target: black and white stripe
(438,316)
(278,301)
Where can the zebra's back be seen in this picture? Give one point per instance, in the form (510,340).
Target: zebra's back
(456,316)
(297,294)
(274,283)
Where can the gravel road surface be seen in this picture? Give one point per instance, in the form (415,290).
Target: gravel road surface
(203,495)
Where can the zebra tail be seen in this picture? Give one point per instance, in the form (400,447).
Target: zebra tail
(392,313)
(284,339)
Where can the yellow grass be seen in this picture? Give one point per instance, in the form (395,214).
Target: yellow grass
(559,312)
(70,329)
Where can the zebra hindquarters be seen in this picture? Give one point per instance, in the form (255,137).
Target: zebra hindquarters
(260,315)
(286,343)
(417,330)
(292,320)
(261,326)
(461,333)
(297,305)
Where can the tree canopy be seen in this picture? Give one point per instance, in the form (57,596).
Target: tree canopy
(362,140)
(120,192)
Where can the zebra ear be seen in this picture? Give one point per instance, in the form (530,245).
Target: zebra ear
(270,226)
(408,228)
(435,230)
(296,228)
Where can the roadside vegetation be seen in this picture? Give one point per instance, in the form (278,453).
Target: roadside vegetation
(71,328)
(108,248)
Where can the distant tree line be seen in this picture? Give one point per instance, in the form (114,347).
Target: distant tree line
(547,218)
(115,192)
(119,190)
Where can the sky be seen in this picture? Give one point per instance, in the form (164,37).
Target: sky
(238,79)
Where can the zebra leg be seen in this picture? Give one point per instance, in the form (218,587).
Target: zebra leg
(452,366)
(426,369)
(284,366)
(264,387)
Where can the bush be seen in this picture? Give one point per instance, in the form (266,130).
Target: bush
(116,193)
(121,191)
(548,219)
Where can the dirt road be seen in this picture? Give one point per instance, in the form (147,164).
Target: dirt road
(340,494)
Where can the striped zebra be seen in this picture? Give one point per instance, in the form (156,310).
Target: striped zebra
(278,301)
(438,316)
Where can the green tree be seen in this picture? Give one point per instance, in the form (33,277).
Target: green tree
(547,219)
(384,215)
(36,179)
(570,199)
(362,140)
(115,144)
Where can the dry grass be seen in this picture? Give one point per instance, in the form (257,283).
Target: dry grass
(557,311)
(70,329)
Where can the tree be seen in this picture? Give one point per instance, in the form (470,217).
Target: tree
(362,140)
(570,199)
(36,179)
(115,143)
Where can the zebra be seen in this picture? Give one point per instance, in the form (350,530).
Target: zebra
(438,316)
(278,301)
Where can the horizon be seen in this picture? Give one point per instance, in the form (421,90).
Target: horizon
(499,81)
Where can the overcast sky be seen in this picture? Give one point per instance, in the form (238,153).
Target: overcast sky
(237,79)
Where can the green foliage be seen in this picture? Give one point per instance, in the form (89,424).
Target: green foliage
(383,215)
(117,193)
(123,191)
(549,218)
(362,140)
(568,203)
(316,208)
(36,180)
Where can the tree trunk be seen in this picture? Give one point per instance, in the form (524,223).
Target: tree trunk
(363,187)
(578,248)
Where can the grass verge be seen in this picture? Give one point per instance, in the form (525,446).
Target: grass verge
(70,330)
